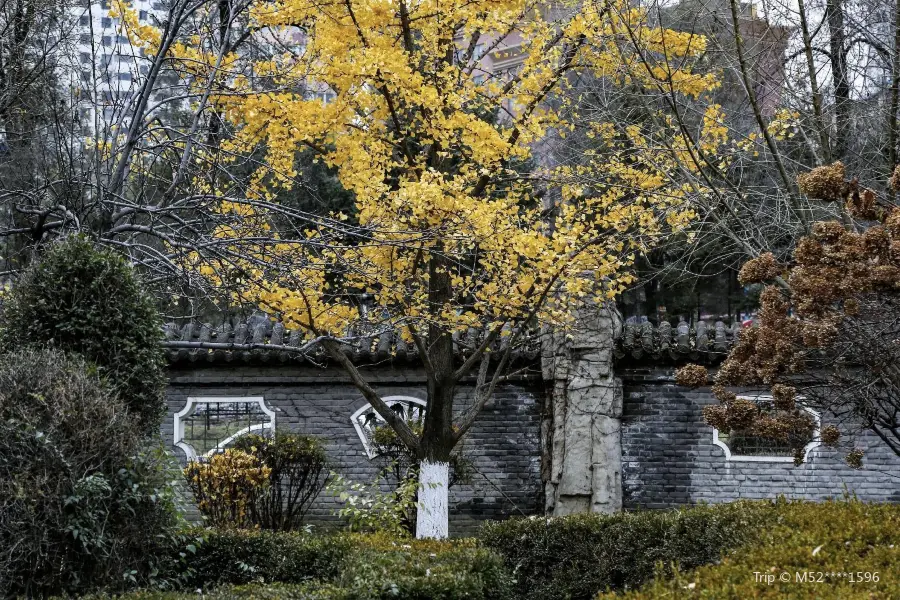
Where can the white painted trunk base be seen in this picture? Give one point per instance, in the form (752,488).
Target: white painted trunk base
(433,507)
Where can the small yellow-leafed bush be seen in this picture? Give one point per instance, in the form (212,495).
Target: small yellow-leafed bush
(226,487)
(829,551)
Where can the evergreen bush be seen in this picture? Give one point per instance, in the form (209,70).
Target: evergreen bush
(82,504)
(236,556)
(341,567)
(579,555)
(84,299)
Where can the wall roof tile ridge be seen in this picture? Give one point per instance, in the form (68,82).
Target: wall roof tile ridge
(259,339)
(705,341)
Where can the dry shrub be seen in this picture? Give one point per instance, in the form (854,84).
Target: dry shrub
(823,183)
(830,435)
(830,334)
(692,376)
(759,269)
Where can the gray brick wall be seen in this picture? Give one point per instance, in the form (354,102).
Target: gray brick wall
(503,444)
(669,458)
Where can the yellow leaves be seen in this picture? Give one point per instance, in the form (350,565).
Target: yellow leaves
(436,151)
(714,133)
(784,125)
(226,484)
(139,35)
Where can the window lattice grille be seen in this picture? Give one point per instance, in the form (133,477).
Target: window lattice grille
(207,425)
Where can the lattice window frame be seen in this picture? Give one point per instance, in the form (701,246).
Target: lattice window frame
(814,443)
(358,424)
(193,402)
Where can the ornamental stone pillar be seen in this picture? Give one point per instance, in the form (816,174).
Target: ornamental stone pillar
(581,430)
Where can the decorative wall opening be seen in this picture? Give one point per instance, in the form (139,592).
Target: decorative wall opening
(207,425)
(739,447)
(367,419)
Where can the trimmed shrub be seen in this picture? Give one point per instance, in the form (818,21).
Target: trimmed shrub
(87,300)
(806,541)
(580,555)
(454,572)
(81,507)
(243,556)
(793,537)
(344,568)
(297,475)
(277,591)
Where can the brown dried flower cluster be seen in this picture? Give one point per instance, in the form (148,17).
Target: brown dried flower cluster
(745,416)
(824,183)
(692,376)
(854,458)
(739,414)
(830,435)
(862,205)
(724,395)
(892,223)
(742,414)
(770,428)
(716,416)
(760,269)
(784,396)
(831,325)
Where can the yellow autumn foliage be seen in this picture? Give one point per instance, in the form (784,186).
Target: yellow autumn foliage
(439,147)
(226,485)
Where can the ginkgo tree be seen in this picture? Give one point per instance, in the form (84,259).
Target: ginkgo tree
(460,223)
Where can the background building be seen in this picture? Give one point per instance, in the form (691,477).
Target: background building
(110,70)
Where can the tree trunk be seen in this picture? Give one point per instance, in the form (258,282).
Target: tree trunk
(437,434)
(432,511)
(894,104)
(834,14)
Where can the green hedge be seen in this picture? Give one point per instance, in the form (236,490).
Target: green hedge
(796,538)
(577,556)
(276,591)
(244,556)
(708,552)
(413,574)
(344,567)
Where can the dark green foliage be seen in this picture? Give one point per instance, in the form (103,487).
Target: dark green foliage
(242,556)
(343,567)
(298,474)
(276,591)
(449,574)
(81,506)
(578,556)
(729,542)
(87,300)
